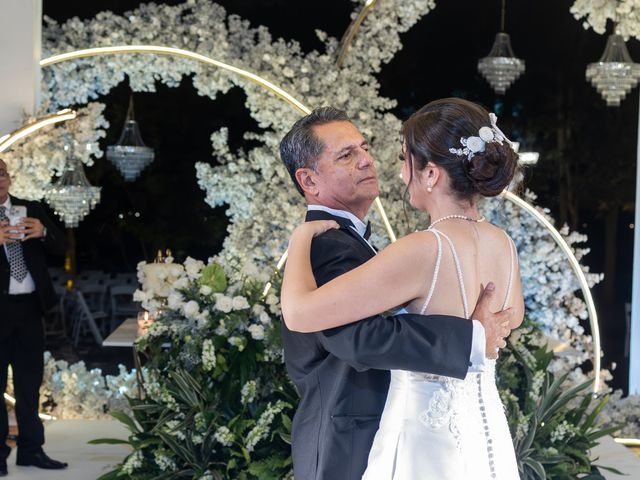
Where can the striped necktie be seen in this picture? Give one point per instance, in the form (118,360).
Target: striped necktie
(17,265)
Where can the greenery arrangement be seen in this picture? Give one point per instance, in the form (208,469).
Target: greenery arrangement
(553,421)
(217,402)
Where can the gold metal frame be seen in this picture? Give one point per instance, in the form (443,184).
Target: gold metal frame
(352,30)
(575,266)
(160,50)
(27,129)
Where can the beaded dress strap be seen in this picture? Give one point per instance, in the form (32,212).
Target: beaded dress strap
(456,259)
(435,272)
(512,257)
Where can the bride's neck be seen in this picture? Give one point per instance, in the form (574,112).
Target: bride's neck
(443,207)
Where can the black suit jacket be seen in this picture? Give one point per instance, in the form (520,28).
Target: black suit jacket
(35,251)
(342,374)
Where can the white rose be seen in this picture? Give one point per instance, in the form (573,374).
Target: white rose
(257,331)
(174,300)
(265,318)
(205,290)
(240,303)
(176,270)
(475,144)
(180,283)
(191,309)
(139,296)
(272,299)
(224,304)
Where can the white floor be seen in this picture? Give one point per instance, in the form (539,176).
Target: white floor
(611,454)
(66,440)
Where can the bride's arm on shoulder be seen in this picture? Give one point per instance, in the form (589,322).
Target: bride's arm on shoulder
(395,276)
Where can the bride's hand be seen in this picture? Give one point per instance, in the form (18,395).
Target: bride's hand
(314,228)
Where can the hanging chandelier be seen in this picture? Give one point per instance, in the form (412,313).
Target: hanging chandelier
(615,74)
(72,197)
(501,67)
(130,155)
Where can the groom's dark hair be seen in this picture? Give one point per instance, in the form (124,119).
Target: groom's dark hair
(300,147)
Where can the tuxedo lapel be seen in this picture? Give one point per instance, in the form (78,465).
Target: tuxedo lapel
(345,225)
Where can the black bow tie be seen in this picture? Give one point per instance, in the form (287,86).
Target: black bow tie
(367,231)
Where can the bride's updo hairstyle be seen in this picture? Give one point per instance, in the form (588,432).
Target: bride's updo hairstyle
(432,131)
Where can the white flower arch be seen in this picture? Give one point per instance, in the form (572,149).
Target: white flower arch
(263,207)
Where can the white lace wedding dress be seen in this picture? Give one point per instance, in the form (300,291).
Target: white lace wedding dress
(442,428)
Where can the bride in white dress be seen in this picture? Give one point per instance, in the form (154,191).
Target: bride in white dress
(432,427)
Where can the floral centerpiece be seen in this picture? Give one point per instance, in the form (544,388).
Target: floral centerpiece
(217,402)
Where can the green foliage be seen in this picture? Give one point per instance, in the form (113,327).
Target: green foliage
(552,421)
(213,276)
(218,402)
(213,408)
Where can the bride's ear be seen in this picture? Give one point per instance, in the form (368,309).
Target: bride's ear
(431,174)
(306,180)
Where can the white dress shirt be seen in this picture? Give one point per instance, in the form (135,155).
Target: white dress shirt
(477,358)
(15,287)
(358,225)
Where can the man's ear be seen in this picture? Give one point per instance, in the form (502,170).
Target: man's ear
(306,179)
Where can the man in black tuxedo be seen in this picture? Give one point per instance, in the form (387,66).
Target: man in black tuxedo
(26,293)
(342,374)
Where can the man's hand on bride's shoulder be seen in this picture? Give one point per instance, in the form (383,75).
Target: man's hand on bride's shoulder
(496,324)
(314,228)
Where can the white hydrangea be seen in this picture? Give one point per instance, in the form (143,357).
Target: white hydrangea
(164,462)
(208,355)
(595,14)
(224,436)
(261,430)
(193,267)
(133,462)
(248,392)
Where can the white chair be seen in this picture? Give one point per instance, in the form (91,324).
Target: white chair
(55,324)
(122,304)
(84,319)
(95,294)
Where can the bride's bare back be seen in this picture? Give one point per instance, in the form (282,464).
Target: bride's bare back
(486,254)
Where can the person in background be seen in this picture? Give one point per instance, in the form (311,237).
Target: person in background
(26,293)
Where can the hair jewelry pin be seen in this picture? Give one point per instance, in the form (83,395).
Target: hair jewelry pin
(472,145)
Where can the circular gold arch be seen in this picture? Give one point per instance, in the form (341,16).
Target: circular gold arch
(177,52)
(33,126)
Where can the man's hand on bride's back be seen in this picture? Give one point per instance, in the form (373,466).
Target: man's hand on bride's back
(496,324)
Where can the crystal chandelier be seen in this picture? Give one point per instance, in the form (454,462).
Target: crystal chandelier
(130,155)
(72,197)
(501,67)
(615,74)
